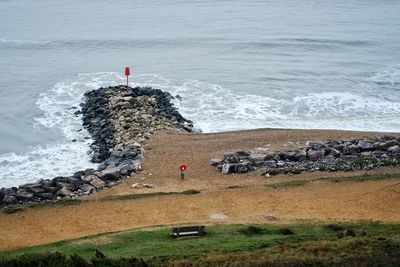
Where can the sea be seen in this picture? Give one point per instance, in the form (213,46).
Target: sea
(237,64)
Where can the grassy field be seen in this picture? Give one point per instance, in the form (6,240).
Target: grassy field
(237,244)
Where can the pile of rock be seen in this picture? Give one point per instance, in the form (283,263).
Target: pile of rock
(335,155)
(116,118)
(119,122)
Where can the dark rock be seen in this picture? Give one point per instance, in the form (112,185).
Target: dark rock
(36,190)
(378,153)
(394,149)
(270,163)
(351,150)
(87,189)
(9,200)
(90,177)
(70,187)
(257,157)
(8,191)
(111,174)
(332,152)
(288,155)
(110,177)
(280,164)
(97,183)
(50,189)
(301,155)
(220,167)
(230,158)
(314,145)
(63,192)
(241,167)
(228,168)
(79,174)
(215,162)
(24,195)
(365,145)
(315,155)
(345,155)
(46,195)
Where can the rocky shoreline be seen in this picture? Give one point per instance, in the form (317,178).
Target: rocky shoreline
(335,155)
(119,122)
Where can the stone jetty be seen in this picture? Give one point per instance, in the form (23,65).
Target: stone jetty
(119,122)
(335,155)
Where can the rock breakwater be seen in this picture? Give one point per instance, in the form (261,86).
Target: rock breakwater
(119,122)
(334,155)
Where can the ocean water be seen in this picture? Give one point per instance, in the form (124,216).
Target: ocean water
(237,64)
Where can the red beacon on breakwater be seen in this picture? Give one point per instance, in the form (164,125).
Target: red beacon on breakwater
(127,74)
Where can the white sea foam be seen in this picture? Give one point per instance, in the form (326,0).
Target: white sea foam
(214,108)
(63,157)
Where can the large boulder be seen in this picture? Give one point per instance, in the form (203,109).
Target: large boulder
(257,157)
(87,189)
(394,149)
(97,183)
(288,155)
(9,200)
(228,168)
(89,178)
(365,145)
(270,163)
(110,174)
(315,155)
(314,145)
(63,192)
(24,195)
(301,155)
(8,191)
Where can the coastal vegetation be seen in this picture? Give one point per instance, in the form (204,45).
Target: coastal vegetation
(337,244)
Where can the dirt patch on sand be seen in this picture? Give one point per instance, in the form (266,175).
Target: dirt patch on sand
(247,200)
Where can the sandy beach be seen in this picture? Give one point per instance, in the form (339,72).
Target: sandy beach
(244,198)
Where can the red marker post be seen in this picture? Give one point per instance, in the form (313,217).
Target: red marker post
(127,74)
(183,168)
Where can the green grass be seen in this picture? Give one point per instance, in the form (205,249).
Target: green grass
(149,195)
(362,178)
(56,203)
(11,210)
(233,187)
(69,202)
(298,241)
(293,183)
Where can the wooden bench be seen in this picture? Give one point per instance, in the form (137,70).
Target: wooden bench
(188,231)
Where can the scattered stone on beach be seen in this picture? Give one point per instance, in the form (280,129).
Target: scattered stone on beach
(138,186)
(149,186)
(334,155)
(218,216)
(119,122)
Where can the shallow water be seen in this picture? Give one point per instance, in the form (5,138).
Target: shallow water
(237,64)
